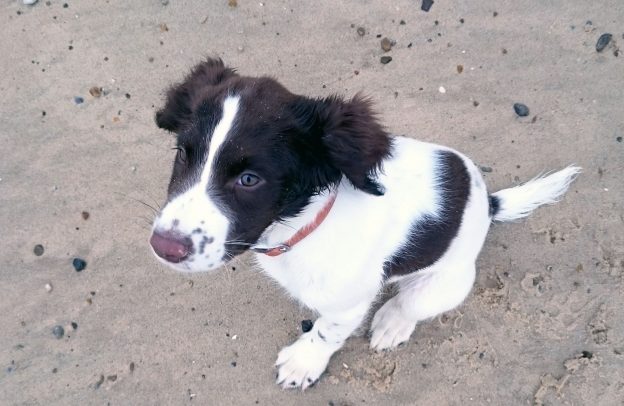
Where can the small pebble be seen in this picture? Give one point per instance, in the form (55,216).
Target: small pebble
(29,2)
(164,2)
(603,41)
(48,287)
(232,3)
(38,250)
(233,363)
(306,325)
(426,5)
(65,5)
(95,91)
(441,89)
(486,169)
(618,138)
(131,367)
(460,68)
(85,215)
(74,325)
(385,59)
(78,100)
(99,382)
(521,109)
(58,331)
(361,31)
(112,378)
(386,44)
(587,354)
(79,264)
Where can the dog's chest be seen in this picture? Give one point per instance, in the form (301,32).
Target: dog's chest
(323,282)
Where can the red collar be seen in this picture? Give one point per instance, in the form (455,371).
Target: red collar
(300,234)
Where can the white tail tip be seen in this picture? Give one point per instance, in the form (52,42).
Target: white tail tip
(518,202)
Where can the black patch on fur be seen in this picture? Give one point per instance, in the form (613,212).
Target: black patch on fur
(306,325)
(183,99)
(430,236)
(494,205)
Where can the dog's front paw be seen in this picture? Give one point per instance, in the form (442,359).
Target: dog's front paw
(302,363)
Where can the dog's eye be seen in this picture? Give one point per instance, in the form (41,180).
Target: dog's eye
(248,180)
(181,156)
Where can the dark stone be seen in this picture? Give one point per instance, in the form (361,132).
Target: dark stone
(233,363)
(426,5)
(603,41)
(74,325)
(618,138)
(38,250)
(361,31)
(587,354)
(521,109)
(385,59)
(79,264)
(78,100)
(58,331)
(306,325)
(386,44)
(486,169)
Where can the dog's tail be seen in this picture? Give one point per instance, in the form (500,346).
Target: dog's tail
(518,202)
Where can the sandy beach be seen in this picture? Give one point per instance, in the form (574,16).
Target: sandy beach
(82,160)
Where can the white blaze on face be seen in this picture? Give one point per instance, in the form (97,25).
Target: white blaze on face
(194,214)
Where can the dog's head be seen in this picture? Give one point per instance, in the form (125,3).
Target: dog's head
(249,154)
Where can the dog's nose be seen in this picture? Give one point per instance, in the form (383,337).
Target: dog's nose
(171,247)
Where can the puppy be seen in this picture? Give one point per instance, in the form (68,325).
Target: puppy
(332,205)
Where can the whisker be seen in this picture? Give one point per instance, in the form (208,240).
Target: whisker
(156,211)
(147,205)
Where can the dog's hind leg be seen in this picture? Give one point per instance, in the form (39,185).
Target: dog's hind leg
(421,296)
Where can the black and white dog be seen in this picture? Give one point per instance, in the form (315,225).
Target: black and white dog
(333,206)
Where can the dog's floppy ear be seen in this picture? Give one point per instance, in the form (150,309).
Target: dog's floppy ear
(355,141)
(182,98)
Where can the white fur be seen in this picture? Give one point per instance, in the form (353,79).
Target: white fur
(195,209)
(520,201)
